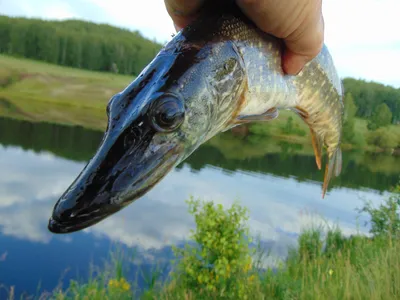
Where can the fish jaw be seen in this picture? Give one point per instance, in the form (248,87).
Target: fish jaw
(104,187)
(135,154)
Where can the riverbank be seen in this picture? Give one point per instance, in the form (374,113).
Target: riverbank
(325,264)
(40,92)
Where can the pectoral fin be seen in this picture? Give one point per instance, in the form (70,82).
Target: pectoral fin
(301,112)
(269,115)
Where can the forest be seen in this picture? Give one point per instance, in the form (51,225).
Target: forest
(102,47)
(370,96)
(76,43)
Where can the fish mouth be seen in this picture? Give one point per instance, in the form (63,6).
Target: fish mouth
(113,179)
(68,226)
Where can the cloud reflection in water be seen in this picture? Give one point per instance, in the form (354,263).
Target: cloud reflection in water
(30,183)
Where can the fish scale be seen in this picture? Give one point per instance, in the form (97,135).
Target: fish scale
(315,94)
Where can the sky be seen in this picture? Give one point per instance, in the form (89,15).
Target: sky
(362,35)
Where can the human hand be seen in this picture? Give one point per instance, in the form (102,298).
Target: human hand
(298,22)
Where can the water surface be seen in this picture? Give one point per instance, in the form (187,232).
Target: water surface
(278,182)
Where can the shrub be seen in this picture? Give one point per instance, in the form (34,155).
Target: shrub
(259,129)
(385,220)
(383,138)
(292,128)
(220,261)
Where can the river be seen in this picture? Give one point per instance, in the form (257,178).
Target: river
(278,182)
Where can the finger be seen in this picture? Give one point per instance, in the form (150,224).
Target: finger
(182,12)
(302,48)
(271,16)
(298,23)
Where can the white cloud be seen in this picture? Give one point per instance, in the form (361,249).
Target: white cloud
(149,17)
(37,185)
(59,11)
(369,23)
(363,38)
(27,222)
(46,9)
(29,185)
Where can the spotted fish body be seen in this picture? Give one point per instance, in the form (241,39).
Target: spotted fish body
(315,94)
(217,73)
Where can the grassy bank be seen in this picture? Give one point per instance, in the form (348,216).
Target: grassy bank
(43,92)
(223,263)
(37,91)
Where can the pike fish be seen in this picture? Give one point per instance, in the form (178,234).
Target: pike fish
(219,72)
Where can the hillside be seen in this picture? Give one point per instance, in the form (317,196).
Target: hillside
(76,43)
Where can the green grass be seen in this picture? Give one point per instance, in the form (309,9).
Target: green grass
(359,268)
(43,92)
(227,265)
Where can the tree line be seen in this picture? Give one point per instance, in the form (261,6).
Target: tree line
(102,47)
(76,43)
(373,99)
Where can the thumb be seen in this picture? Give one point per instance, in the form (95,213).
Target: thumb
(302,47)
(182,12)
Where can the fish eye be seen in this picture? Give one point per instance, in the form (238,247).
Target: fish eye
(167,114)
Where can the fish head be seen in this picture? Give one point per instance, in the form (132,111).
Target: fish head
(187,94)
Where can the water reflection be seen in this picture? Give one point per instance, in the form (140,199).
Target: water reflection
(257,155)
(29,182)
(39,161)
